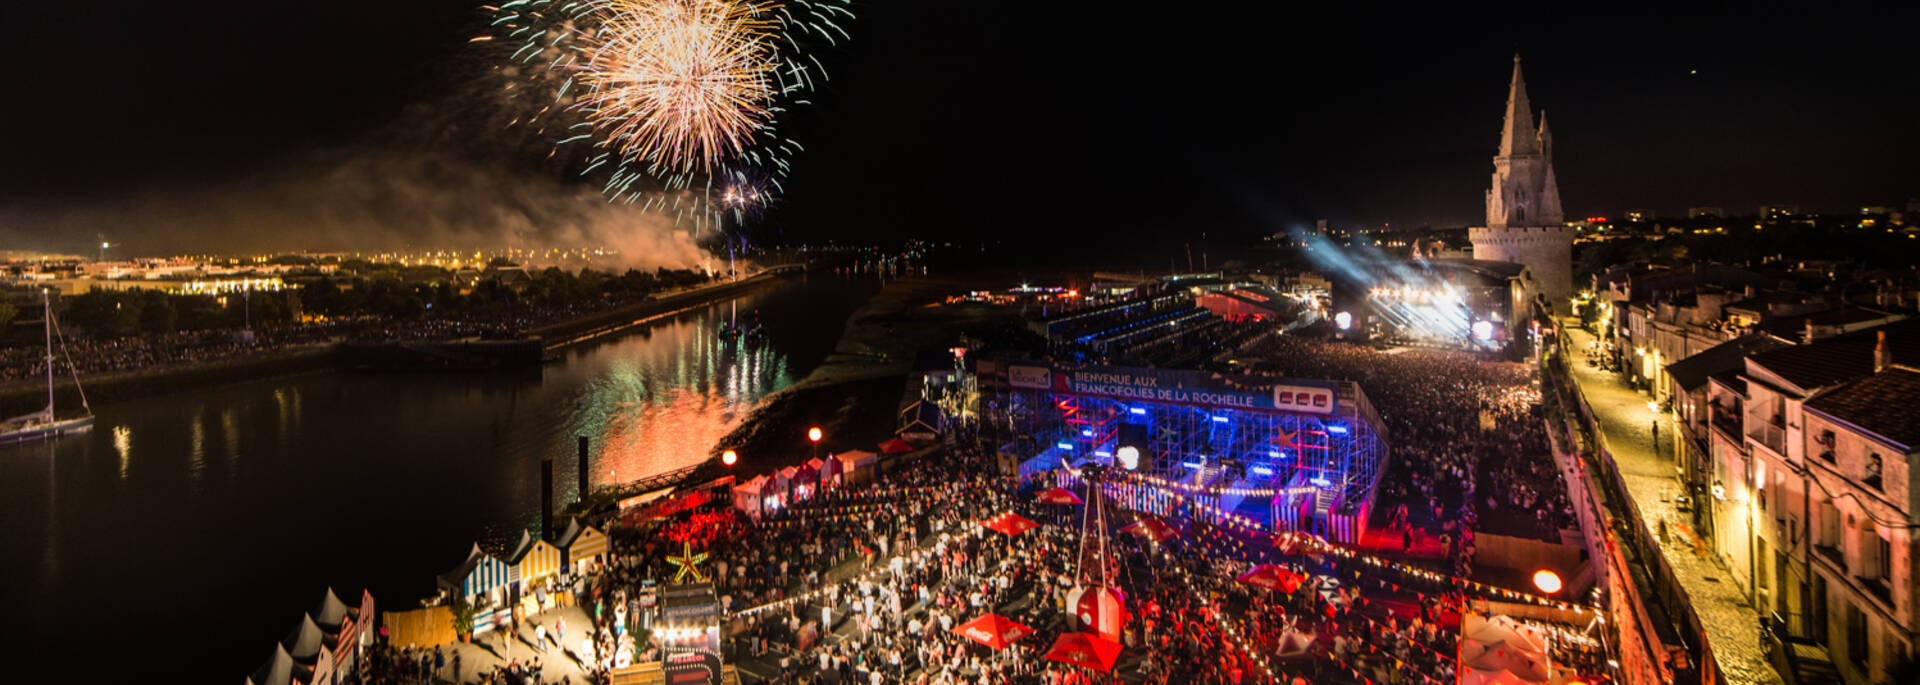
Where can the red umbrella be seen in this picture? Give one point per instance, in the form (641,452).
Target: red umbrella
(1011,523)
(1059,496)
(992,630)
(896,446)
(1150,528)
(1271,577)
(1085,649)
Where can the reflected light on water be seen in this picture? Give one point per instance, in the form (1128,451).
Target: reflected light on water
(700,391)
(123,444)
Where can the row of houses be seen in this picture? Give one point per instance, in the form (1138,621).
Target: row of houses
(1802,453)
(496,584)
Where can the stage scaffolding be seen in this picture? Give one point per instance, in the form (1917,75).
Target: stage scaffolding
(1291,469)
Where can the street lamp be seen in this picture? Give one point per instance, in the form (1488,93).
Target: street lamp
(813,436)
(729,457)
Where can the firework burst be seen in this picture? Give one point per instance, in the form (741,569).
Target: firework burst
(682,84)
(671,99)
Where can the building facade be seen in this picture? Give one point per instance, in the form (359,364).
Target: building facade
(1813,455)
(1524,221)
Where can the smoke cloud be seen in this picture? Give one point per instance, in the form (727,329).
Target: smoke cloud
(365,201)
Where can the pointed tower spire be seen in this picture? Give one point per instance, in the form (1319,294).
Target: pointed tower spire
(1546,137)
(1518,137)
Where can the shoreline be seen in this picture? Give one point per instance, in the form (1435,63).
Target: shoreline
(27,395)
(855,394)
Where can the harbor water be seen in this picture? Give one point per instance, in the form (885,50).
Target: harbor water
(188,531)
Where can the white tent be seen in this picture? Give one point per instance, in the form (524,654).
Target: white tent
(1497,650)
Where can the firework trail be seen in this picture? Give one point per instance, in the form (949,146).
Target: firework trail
(677,102)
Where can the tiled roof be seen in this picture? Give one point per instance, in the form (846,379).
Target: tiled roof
(1791,326)
(1842,357)
(1733,380)
(1693,371)
(1882,404)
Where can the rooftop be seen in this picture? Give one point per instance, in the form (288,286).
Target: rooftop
(1692,373)
(1794,326)
(1841,358)
(1881,404)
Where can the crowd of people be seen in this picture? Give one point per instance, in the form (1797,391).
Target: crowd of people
(867,584)
(1469,449)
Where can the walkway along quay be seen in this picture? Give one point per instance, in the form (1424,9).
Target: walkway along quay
(1682,621)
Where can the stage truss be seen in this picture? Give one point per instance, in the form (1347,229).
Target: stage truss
(1296,470)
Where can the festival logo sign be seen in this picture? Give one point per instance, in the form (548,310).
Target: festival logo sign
(1035,377)
(1303,399)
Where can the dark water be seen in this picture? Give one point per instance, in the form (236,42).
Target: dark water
(188,531)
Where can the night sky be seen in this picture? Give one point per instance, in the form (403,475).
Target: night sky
(1011,120)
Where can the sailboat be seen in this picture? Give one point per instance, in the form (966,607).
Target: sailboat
(43,425)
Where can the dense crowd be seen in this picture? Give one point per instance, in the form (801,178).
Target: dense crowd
(1469,449)
(862,585)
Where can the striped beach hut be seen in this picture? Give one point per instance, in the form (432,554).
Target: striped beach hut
(583,545)
(479,579)
(532,561)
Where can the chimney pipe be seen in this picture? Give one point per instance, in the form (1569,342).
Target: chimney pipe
(1880,355)
(583,472)
(546,499)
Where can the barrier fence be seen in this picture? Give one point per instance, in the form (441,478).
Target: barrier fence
(1672,633)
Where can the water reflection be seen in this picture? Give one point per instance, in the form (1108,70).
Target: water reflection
(701,387)
(123,444)
(353,480)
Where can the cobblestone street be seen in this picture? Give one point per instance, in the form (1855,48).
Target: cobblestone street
(1653,480)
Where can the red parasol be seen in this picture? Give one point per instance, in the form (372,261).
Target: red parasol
(1059,496)
(896,446)
(1011,523)
(992,630)
(1150,528)
(1272,577)
(1084,649)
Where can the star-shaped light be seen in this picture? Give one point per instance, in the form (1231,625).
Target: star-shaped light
(688,562)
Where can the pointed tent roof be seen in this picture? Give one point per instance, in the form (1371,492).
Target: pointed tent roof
(571,533)
(331,612)
(303,643)
(458,575)
(1517,136)
(277,671)
(520,549)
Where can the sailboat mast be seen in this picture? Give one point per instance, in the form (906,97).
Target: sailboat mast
(46,302)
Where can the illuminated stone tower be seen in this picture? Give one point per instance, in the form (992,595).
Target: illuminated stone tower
(1524,224)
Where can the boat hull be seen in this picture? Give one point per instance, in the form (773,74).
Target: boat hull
(47,431)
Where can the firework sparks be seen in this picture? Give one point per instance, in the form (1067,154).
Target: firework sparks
(682,84)
(671,96)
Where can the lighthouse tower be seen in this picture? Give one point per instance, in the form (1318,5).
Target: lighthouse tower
(1524,224)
